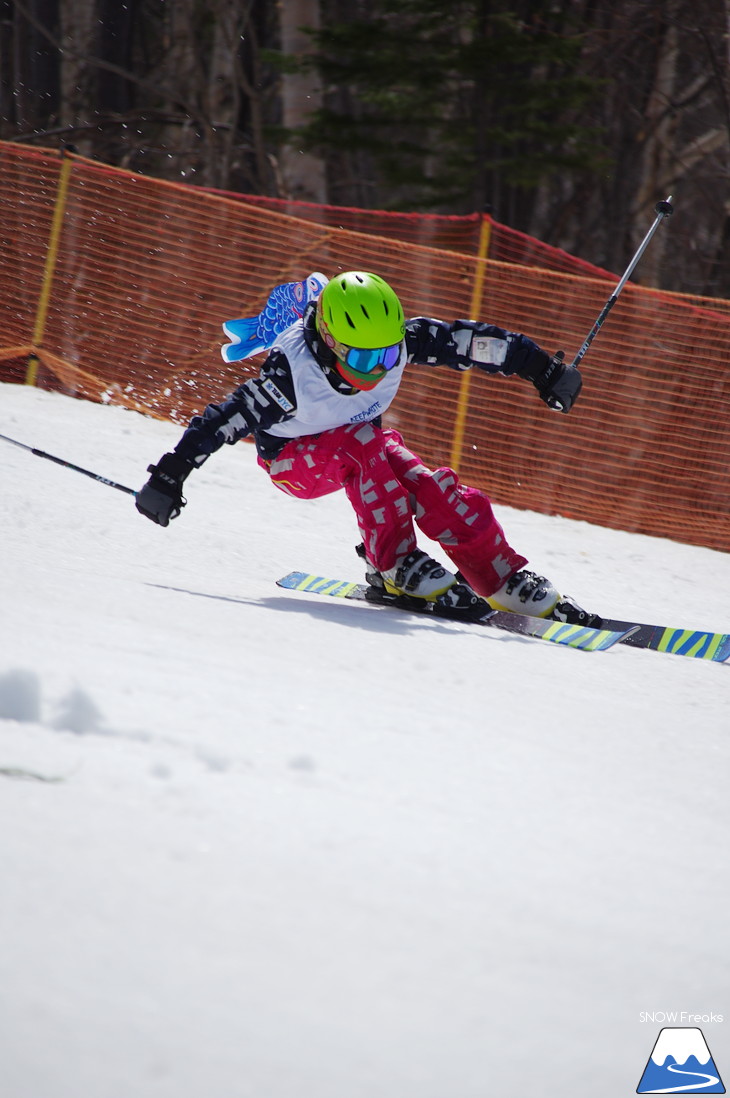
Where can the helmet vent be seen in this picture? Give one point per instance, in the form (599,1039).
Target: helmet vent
(349,319)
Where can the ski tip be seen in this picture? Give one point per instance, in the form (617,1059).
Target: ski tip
(291,580)
(316,585)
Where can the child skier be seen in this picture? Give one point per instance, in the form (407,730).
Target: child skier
(315,415)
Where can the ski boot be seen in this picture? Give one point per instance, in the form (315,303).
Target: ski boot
(567,609)
(527,593)
(420,582)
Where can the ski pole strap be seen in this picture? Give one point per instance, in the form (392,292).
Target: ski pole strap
(70,465)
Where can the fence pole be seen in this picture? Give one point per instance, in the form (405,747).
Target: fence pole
(50,266)
(485,232)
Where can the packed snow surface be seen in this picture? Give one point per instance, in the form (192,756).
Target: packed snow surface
(258,844)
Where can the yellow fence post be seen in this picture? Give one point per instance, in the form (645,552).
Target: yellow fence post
(476,300)
(50,266)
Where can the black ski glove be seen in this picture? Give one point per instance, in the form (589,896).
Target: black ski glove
(161,499)
(558,384)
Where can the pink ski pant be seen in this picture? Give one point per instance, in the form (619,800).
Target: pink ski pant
(388,487)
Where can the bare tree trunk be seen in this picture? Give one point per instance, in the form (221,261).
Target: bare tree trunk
(35,66)
(221,93)
(718,276)
(659,164)
(200,70)
(303,174)
(182,143)
(78,19)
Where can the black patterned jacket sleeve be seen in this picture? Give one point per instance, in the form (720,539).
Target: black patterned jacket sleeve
(252,408)
(468,343)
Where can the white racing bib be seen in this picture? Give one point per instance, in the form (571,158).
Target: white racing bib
(319,406)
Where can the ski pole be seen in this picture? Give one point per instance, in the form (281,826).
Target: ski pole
(70,465)
(662,209)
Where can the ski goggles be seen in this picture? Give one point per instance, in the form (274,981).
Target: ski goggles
(365,361)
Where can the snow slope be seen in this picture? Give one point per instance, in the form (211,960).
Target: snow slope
(262,845)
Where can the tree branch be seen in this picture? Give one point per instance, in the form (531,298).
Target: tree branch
(99,63)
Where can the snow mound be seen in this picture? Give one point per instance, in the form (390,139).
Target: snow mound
(20,695)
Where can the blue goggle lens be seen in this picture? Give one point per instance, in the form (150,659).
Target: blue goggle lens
(365,361)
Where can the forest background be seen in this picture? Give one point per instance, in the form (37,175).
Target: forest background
(565,119)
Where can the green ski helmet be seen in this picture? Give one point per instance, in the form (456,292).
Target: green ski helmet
(360,318)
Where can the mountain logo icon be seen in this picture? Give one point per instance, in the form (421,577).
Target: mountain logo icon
(680,1063)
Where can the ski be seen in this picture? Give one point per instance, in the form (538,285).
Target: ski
(692,643)
(558,632)
(681,642)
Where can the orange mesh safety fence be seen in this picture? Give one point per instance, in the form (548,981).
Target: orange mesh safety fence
(458,234)
(146,271)
(28,188)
